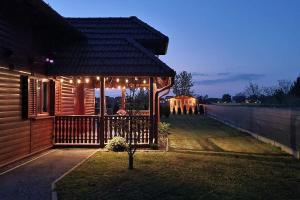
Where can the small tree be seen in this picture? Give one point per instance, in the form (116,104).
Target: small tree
(179,111)
(226,98)
(196,112)
(184,110)
(239,98)
(253,91)
(183,84)
(190,111)
(295,89)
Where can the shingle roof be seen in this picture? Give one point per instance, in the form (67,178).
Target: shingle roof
(123,27)
(111,51)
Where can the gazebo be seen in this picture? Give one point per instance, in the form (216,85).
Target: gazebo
(115,53)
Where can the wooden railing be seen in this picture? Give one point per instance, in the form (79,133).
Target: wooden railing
(85,129)
(136,128)
(77,129)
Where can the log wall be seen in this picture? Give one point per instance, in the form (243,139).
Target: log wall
(275,125)
(18,137)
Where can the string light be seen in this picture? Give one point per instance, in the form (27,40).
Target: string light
(98,78)
(136,78)
(126,80)
(87,80)
(78,81)
(118,80)
(71,81)
(61,80)
(144,81)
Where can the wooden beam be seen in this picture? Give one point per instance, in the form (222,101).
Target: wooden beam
(102,111)
(151,108)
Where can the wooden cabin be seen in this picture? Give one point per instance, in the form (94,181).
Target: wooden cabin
(51,68)
(181,102)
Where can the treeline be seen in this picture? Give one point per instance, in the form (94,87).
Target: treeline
(285,93)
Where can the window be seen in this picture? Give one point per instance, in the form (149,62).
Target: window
(38,97)
(42,97)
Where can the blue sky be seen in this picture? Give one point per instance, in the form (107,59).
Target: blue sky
(225,44)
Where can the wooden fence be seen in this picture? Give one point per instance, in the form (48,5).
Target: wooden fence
(86,129)
(278,126)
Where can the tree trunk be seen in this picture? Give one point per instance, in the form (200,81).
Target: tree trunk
(130,161)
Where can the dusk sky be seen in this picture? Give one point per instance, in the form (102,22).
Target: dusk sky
(225,44)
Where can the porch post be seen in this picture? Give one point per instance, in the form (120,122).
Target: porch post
(151,98)
(102,110)
(123,99)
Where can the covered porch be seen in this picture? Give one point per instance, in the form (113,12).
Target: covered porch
(81,120)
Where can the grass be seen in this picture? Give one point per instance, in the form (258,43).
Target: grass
(207,161)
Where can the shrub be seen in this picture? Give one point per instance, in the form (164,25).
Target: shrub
(201,110)
(196,112)
(117,144)
(184,110)
(190,111)
(179,111)
(163,128)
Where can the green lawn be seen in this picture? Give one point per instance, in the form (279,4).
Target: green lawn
(207,160)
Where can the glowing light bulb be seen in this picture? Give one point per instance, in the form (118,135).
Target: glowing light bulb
(118,80)
(71,81)
(98,78)
(61,80)
(87,80)
(78,81)
(144,81)
(126,80)
(136,78)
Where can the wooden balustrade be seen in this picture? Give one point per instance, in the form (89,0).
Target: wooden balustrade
(134,128)
(85,129)
(76,129)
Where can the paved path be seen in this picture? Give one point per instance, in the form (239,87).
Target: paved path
(32,181)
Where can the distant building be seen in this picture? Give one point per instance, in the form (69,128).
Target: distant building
(181,101)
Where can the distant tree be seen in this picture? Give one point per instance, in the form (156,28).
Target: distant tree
(183,84)
(239,98)
(184,110)
(202,99)
(116,108)
(253,91)
(179,111)
(295,88)
(226,98)
(268,91)
(284,86)
(279,95)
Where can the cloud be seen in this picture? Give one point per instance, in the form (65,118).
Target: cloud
(231,78)
(199,74)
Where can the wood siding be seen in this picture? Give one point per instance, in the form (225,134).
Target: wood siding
(89,101)
(16,136)
(67,97)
